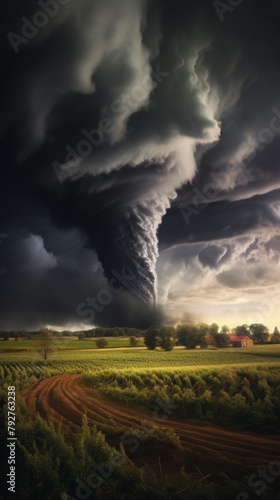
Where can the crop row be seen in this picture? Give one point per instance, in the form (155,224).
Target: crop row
(246,398)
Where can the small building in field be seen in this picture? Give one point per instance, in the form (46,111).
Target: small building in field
(240,341)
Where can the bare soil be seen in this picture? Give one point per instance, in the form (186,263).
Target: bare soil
(66,399)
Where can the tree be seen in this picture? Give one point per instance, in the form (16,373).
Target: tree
(151,337)
(118,332)
(166,337)
(46,342)
(224,329)
(101,343)
(214,328)
(201,341)
(133,341)
(203,328)
(260,333)
(5,335)
(81,335)
(242,330)
(275,337)
(185,331)
(190,336)
(222,340)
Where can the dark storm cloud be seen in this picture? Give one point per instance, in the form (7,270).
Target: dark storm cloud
(131,101)
(219,220)
(38,285)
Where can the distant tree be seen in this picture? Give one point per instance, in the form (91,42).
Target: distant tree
(16,335)
(117,332)
(46,342)
(189,335)
(101,343)
(66,333)
(166,337)
(151,337)
(224,329)
(5,335)
(133,341)
(210,339)
(89,334)
(260,333)
(203,328)
(202,342)
(242,330)
(214,328)
(184,331)
(222,340)
(275,337)
(81,336)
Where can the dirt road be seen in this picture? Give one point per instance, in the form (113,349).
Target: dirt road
(66,399)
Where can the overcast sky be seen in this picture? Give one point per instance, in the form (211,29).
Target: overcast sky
(139,149)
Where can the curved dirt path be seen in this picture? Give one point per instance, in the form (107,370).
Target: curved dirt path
(66,399)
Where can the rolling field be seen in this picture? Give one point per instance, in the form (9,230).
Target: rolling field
(217,418)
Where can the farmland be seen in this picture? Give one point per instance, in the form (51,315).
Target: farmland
(68,351)
(69,343)
(236,389)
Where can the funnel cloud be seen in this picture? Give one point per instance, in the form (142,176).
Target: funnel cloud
(116,118)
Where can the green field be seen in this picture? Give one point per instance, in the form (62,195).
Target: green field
(65,343)
(235,388)
(140,376)
(76,359)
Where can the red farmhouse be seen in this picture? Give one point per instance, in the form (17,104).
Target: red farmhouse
(242,341)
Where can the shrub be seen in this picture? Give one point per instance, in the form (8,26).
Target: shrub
(101,343)
(133,341)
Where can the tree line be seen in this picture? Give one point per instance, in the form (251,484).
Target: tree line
(201,335)
(189,335)
(92,333)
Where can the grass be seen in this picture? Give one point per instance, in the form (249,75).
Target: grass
(67,343)
(71,351)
